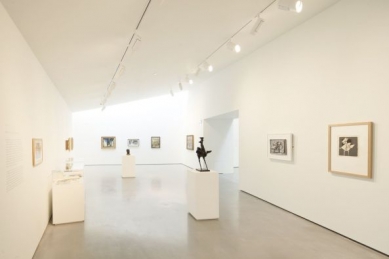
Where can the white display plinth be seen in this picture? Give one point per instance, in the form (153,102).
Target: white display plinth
(203,194)
(68,200)
(128,166)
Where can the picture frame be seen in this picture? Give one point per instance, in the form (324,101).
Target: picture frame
(69,144)
(155,142)
(133,142)
(280,146)
(108,142)
(350,149)
(190,142)
(37,151)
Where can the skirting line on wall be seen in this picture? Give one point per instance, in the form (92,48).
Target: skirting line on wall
(138,164)
(316,224)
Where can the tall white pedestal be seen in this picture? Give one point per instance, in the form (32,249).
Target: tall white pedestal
(68,200)
(203,194)
(128,166)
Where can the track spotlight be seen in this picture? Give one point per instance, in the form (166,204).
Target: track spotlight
(137,42)
(188,80)
(171,93)
(198,71)
(119,72)
(291,5)
(234,47)
(258,23)
(207,66)
(102,109)
(180,85)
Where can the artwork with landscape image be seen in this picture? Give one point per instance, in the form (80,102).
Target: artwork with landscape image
(155,142)
(278,147)
(37,151)
(108,142)
(348,146)
(133,143)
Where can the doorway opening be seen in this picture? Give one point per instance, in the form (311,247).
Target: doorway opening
(221,134)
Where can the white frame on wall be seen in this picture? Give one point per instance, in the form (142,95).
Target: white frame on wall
(288,137)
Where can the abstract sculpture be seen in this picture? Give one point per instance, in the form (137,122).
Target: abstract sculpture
(128,152)
(201,152)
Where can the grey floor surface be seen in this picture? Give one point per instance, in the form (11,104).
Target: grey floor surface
(146,217)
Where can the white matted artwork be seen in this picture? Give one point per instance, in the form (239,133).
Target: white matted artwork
(133,142)
(37,151)
(279,146)
(350,149)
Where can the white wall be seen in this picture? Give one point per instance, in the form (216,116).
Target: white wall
(160,116)
(31,107)
(331,69)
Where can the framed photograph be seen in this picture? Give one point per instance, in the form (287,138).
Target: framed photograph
(189,142)
(279,146)
(350,149)
(155,142)
(37,151)
(108,142)
(69,144)
(133,142)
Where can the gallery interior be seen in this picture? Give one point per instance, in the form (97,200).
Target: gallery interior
(290,97)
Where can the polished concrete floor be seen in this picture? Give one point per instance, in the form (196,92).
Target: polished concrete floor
(146,217)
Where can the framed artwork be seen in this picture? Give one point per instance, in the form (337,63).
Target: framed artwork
(350,149)
(37,151)
(155,142)
(279,146)
(69,144)
(133,142)
(189,142)
(108,142)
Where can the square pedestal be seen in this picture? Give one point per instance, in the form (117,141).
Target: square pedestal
(203,194)
(68,200)
(128,166)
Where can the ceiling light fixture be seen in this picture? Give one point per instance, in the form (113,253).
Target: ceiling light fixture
(119,72)
(258,23)
(291,5)
(180,85)
(133,44)
(188,80)
(233,46)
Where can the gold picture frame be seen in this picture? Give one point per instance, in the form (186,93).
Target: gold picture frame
(190,142)
(37,151)
(155,142)
(350,148)
(108,142)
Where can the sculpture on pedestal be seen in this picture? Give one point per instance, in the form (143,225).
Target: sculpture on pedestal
(128,152)
(201,152)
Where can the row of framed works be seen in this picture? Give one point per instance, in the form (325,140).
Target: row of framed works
(109,142)
(349,148)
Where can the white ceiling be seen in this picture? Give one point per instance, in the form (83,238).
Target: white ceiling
(81,42)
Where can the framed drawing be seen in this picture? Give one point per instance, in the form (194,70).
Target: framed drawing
(350,149)
(108,142)
(155,142)
(37,151)
(279,146)
(133,142)
(69,144)
(189,142)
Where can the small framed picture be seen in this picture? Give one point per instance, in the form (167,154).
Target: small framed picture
(350,149)
(155,142)
(37,151)
(279,146)
(133,142)
(189,142)
(69,144)
(108,142)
